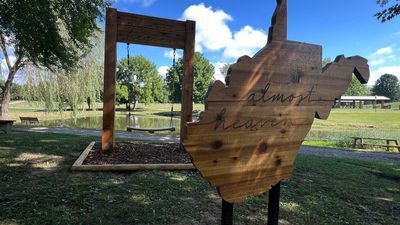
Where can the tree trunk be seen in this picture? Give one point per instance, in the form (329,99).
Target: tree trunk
(5,101)
(6,96)
(12,70)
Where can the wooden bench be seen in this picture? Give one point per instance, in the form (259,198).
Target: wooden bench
(362,144)
(29,120)
(6,125)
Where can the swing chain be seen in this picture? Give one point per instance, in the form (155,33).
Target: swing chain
(173,87)
(127,50)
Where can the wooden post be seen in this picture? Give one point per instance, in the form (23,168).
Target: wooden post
(273,204)
(187,86)
(226,213)
(110,60)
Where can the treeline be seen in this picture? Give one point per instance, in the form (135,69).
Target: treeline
(138,82)
(387,85)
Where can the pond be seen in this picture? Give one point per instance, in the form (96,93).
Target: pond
(121,122)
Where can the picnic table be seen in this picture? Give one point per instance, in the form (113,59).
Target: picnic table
(362,144)
(6,125)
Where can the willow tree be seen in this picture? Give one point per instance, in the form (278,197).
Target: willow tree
(53,34)
(60,89)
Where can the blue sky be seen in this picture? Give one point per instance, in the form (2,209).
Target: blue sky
(227,29)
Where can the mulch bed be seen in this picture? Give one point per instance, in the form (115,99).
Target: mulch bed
(138,153)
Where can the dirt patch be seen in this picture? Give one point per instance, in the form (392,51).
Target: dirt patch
(138,153)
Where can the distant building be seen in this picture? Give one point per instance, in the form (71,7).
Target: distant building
(352,101)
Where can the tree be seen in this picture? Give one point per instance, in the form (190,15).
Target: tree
(141,78)
(60,89)
(224,69)
(326,61)
(389,12)
(203,76)
(122,94)
(387,85)
(356,88)
(53,34)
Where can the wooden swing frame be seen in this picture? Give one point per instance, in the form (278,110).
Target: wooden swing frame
(152,31)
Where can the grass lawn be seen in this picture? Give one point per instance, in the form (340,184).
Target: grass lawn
(334,132)
(37,187)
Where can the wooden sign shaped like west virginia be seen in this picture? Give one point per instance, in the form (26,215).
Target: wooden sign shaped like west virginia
(253,126)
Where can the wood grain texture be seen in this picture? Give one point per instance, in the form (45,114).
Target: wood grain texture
(132,167)
(248,137)
(188,78)
(110,61)
(152,31)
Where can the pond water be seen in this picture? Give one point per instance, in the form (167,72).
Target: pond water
(121,122)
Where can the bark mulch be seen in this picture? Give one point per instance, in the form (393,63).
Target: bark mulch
(138,153)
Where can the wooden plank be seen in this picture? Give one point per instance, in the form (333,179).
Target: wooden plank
(188,79)
(248,137)
(152,31)
(110,61)
(83,156)
(133,167)
(150,130)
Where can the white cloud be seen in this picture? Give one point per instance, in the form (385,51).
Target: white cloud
(375,74)
(217,72)
(383,51)
(384,60)
(212,32)
(247,41)
(162,70)
(144,3)
(170,54)
(377,62)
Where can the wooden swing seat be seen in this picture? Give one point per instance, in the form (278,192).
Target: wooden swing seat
(150,130)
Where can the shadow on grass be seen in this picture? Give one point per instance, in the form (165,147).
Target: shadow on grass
(321,191)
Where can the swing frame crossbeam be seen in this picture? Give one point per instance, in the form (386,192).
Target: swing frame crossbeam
(152,31)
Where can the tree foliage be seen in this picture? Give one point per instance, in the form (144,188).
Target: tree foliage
(387,85)
(52,34)
(356,88)
(388,13)
(203,76)
(224,69)
(62,89)
(326,61)
(141,80)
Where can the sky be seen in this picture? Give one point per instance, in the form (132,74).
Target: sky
(227,29)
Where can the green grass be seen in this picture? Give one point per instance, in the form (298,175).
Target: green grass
(334,132)
(346,123)
(37,187)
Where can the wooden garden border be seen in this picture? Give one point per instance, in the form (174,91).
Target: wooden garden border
(78,165)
